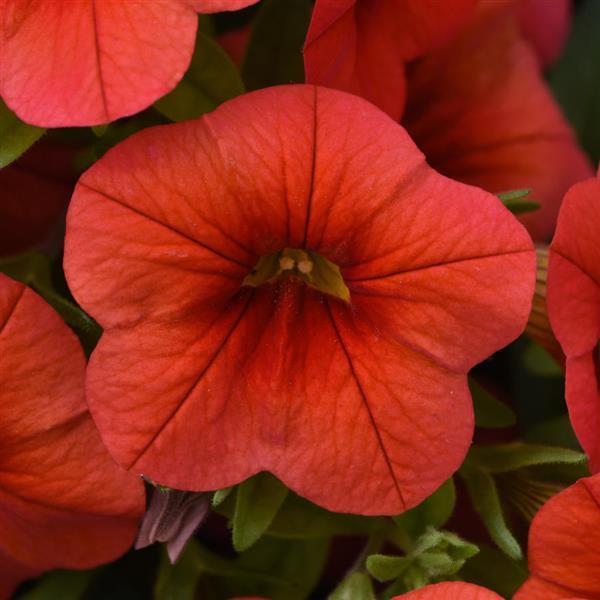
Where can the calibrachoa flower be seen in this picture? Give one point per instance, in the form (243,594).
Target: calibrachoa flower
(481,112)
(362,46)
(455,590)
(285,285)
(63,501)
(564,538)
(573,301)
(88,62)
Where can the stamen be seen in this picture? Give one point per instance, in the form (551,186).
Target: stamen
(305,267)
(286,263)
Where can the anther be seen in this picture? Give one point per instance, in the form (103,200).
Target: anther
(305,266)
(286,263)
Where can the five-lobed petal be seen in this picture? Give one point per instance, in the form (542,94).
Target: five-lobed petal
(199,382)
(88,62)
(564,561)
(63,501)
(573,300)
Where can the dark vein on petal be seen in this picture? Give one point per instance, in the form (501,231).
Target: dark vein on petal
(312,171)
(576,265)
(11,312)
(328,27)
(98,60)
(208,365)
(165,225)
(440,264)
(365,402)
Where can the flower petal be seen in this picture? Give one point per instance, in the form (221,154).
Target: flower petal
(12,574)
(573,300)
(563,545)
(481,112)
(212,6)
(546,25)
(450,591)
(63,502)
(306,403)
(93,63)
(347,38)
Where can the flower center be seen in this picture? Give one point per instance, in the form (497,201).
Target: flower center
(309,266)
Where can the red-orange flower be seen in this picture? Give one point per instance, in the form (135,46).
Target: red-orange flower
(451,590)
(573,300)
(478,107)
(215,365)
(564,560)
(362,46)
(63,501)
(88,62)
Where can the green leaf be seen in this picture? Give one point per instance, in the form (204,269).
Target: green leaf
(15,136)
(100,130)
(386,568)
(575,79)
(33,269)
(489,411)
(274,54)
(211,563)
(356,586)
(434,511)
(66,585)
(436,554)
(537,360)
(484,497)
(558,430)
(514,195)
(297,563)
(494,570)
(300,519)
(517,201)
(178,581)
(221,495)
(257,502)
(211,79)
(503,458)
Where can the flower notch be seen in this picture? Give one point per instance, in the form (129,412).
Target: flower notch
(309,266)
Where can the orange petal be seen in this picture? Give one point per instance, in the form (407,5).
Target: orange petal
(546,26)
(12,574)
(481,112)
(93,63)
(361,46)
(573,299)
(563,545)
(63,502)
(450,591)
(212,6)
